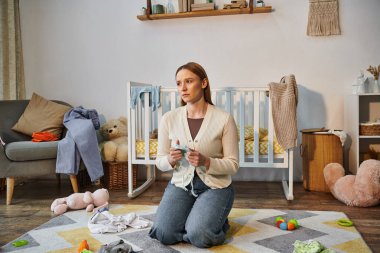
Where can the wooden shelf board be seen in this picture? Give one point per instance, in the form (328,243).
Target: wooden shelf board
(368,136)
(368,94)
(205,13)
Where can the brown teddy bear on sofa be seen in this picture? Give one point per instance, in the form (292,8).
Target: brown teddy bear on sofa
(361,190)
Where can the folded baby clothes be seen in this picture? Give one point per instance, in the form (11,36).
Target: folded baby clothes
(310,246)
(105,222)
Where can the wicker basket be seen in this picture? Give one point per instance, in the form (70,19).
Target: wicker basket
(115,176)
(84,180)
(369,129)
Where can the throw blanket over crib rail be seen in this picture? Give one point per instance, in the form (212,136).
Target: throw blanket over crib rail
(250,107)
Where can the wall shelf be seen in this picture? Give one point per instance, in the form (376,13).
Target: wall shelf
(205,13)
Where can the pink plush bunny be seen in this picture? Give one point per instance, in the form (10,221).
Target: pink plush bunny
(77,201)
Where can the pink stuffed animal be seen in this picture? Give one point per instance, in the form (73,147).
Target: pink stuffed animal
(76,201)
(361,190)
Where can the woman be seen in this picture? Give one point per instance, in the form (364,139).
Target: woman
(198,141)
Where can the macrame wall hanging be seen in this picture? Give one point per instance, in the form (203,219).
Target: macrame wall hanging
(323,18)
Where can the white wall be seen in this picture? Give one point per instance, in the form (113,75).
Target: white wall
(85,51)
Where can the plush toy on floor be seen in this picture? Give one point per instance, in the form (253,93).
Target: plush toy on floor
(77,201)
(361,190)
(115,149)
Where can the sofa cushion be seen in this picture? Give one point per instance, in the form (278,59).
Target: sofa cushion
(41,115)
(10,112)
(31,151)
(12,136)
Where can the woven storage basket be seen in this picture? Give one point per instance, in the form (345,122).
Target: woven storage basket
(84,180)
(116,175)
(369,129)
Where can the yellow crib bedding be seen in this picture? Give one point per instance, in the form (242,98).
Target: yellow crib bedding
(263,146)
(140,148)
(249,148)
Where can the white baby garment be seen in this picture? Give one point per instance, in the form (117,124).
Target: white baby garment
(105,222)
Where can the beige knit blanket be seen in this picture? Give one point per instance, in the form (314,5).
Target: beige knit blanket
(284,99)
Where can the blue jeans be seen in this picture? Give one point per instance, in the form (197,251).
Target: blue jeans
(201,221)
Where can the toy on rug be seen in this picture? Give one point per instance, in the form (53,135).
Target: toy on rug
(20,243)
(83,246)
(345,222)
(77,201)
(310,246)
(361,190)
(115,149)
(290,225)
(117,246)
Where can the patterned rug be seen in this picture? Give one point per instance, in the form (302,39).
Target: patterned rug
(252,230)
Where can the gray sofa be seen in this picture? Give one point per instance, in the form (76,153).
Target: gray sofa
(21,157)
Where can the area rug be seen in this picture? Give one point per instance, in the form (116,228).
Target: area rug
(252,230)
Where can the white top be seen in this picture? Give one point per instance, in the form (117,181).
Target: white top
(216,139)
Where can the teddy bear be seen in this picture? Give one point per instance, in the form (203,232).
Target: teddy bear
(115,149)
(75,201)
(362,189)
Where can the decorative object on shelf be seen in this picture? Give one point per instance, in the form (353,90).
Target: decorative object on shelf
(260,3)
(170,7)
(148,8)
(369,128)
(358,84)
(236,4)
(375,85)
(202,7)
(323,18)
(375,72)
(158,9)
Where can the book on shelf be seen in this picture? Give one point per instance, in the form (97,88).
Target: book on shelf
(189,3)
(184,5)
(170,6)
(180,6)
(200,1)
(201,7)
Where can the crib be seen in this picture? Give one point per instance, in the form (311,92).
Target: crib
(251,109)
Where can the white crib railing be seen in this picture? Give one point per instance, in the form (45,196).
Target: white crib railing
(249,107)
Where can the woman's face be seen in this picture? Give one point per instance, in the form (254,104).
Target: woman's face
(190,86)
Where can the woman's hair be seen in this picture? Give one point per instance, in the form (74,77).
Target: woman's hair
(201,73)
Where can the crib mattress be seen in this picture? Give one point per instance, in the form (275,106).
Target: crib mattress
(249,148)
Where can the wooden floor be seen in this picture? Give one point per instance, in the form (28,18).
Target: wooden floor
(32,199)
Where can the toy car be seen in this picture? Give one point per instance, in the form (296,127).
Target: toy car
(236,4)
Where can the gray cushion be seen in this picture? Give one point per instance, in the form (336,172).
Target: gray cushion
(31,151)
(10,111)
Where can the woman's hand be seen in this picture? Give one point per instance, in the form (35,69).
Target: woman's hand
(197,159)
(174,155)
